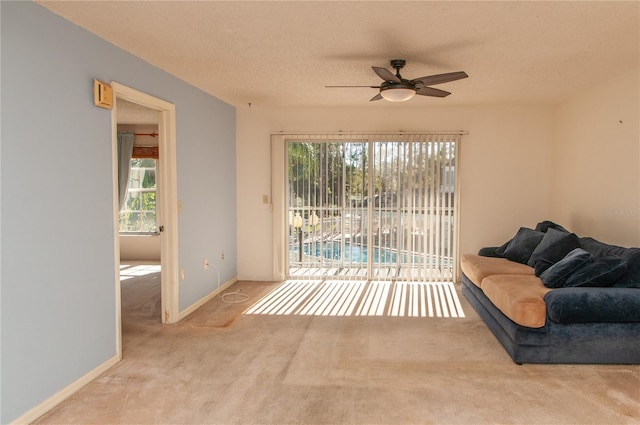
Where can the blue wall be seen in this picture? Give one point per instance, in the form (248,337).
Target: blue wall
(57,272)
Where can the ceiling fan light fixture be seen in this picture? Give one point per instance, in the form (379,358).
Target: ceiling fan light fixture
(397,89)
(398,93)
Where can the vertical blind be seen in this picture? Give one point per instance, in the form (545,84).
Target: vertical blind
(372,206)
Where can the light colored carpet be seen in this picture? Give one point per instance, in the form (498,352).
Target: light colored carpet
(220,366)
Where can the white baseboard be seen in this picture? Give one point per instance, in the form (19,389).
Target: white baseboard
(193,307)
(42,408)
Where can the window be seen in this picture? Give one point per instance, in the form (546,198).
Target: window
(139,212)
(376,206)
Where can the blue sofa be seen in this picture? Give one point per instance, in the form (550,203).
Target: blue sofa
(536,323)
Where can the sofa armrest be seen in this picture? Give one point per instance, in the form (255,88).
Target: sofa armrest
(593,305)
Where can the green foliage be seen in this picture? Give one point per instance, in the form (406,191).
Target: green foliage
(139,213)
(321,173)
(331,173)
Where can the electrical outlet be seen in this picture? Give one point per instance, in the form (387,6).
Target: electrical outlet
(222,255)
(205,264)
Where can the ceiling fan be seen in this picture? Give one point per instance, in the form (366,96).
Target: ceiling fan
(398,89)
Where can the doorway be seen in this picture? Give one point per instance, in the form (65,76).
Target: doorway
(139,221)
(165,205)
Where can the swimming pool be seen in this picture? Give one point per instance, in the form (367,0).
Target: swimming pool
(353,253)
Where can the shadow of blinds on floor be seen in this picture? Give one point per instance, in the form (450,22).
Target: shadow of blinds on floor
(361,298)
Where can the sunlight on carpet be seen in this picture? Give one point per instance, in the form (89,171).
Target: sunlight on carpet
(360,298)
(129,271)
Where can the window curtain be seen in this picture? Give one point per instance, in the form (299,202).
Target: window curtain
(125,150)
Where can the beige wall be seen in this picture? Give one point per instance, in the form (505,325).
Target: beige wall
(139,248)
(505,166)
(596,184)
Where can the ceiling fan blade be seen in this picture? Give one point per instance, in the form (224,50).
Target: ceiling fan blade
(385,74)
(369,87)
(376,97)
(430,91)
(430,80)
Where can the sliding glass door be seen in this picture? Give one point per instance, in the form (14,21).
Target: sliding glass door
(372,206)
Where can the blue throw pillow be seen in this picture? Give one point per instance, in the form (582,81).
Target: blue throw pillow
(557,275)
(631,279)
(549,255)
(522,245)
(550,237)
(502,248)
(544,226)
(604,271)
(488,251)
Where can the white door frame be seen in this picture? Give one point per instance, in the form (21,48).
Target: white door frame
(167,201)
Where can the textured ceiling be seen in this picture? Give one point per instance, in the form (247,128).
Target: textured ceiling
(285,53)
(132,113)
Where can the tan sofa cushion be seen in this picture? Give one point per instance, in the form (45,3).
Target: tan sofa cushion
(519,297)
(477,267)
